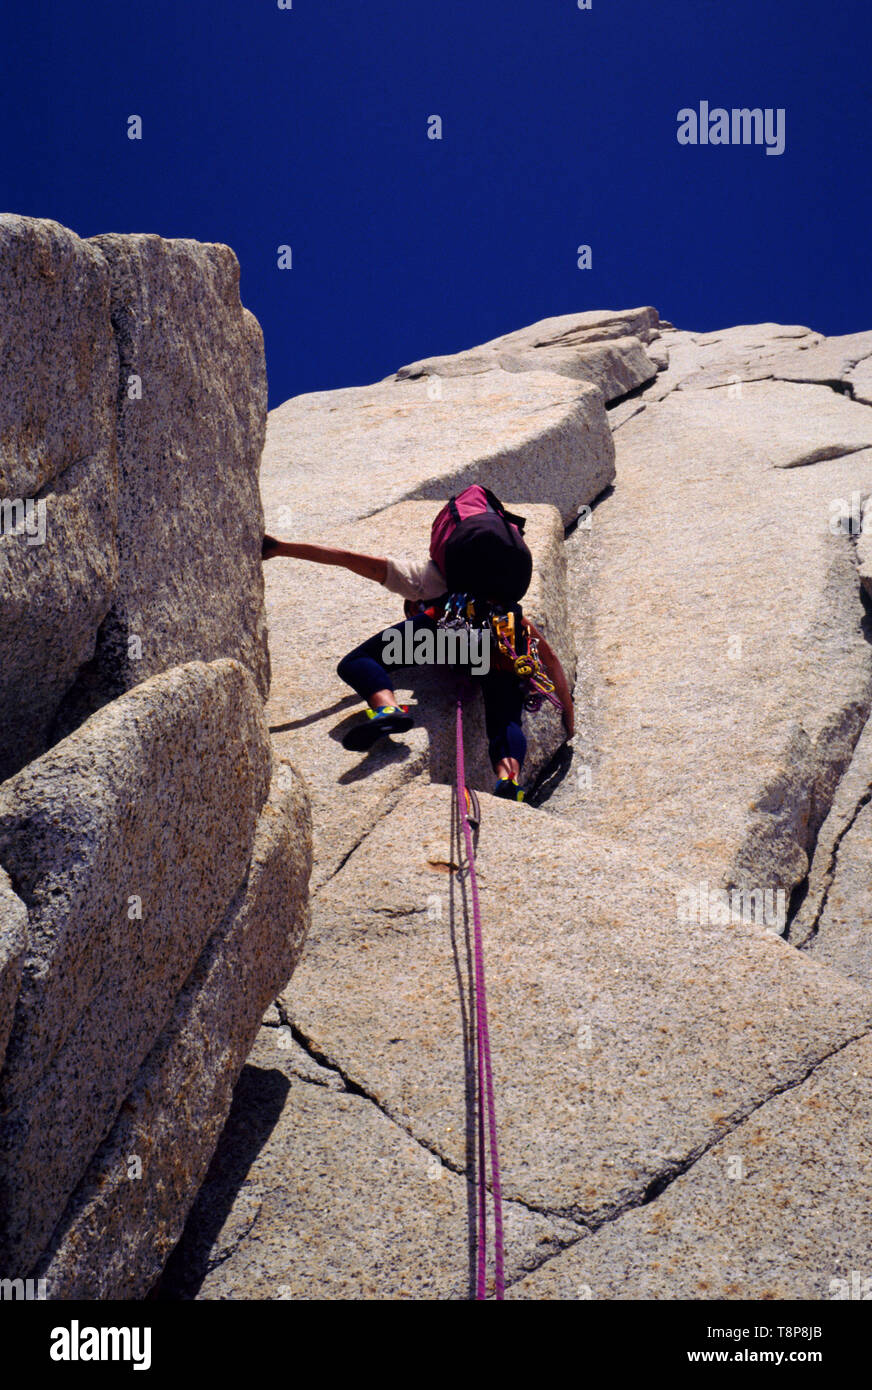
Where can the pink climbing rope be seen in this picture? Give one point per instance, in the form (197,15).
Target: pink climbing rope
(485,1088)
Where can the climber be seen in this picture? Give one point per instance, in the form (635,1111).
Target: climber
(478,570)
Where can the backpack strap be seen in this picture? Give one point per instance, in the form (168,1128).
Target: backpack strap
(509,517)
(452,507)
(520,630)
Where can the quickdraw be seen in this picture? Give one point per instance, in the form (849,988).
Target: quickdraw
(528,667)
(459,612)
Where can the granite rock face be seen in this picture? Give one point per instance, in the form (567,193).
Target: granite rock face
(682,1094)
(133,418)
(337,456)
(58,474)
(779,1210)
(189,450)
(126,842)
(843,931)
(627,1039)
(152,901)
(13,943)
(668,1065)
(727,671)
(859,381)
(606,350)
(395,1217)
(129,1209)
(58,401)
(834,920)
(808,358)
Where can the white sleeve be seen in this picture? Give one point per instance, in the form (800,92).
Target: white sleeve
(421,579)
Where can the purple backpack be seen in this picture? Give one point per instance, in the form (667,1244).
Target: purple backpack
(480,547)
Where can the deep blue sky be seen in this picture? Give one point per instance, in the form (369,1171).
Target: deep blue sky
(309,127)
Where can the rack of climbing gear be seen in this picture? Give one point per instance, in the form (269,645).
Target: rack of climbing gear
(460,611)
(528,666)
(486,1109)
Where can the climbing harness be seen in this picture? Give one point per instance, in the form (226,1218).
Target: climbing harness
(485,1084)
(460,612)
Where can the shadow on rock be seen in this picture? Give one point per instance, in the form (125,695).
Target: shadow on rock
(257,1106)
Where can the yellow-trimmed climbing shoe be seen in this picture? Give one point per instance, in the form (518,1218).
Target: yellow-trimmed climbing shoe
(507,789)
(390,719)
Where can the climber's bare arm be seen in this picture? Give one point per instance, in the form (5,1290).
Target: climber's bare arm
(556,673)
(367,566)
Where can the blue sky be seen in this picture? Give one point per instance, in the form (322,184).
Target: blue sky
(308,127)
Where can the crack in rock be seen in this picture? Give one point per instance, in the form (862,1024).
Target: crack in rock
(830,871)
(588,1222)
(823,454)
(662,1182)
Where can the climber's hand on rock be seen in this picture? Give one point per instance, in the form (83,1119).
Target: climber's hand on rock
(270,548)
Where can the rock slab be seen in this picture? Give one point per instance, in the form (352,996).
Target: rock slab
(596,984)
(191,422)
(367,1213)
(58,473)
(606,350)
(727,667)
(126,841)
(129,1209)
(337,456)
(778,1210)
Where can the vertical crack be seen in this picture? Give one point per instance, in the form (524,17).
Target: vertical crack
(830,871)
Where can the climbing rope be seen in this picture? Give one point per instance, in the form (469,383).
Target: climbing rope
(485,1083)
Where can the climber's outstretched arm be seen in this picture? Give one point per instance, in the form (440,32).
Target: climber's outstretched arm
(367,566)
(556,673)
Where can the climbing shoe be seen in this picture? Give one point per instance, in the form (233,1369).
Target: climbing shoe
(508,790)
(390,719)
